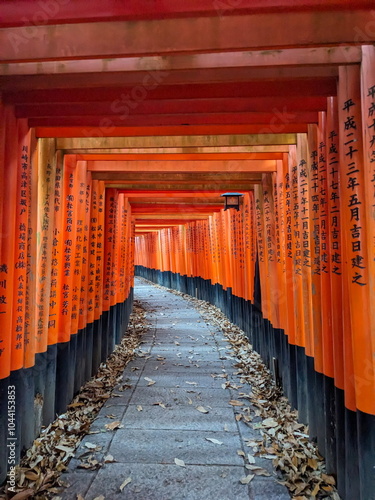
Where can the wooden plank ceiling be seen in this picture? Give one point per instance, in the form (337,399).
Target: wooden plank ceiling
(174,103)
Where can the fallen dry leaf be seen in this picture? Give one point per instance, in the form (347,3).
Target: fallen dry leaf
(313,463)
(114,425)
(269,422)
(315,490)
(23,495)
(215,441)
(234,402)
(149,380)
(179,462)
(91,446)
(258,471)
(202,409)
(125,483)
(329,479)
(76,404)
(159,403)
(100,497)
(247,479)
(66,449)
(31,475)
(109,459)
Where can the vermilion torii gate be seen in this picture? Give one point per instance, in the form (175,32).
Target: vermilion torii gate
(121,127)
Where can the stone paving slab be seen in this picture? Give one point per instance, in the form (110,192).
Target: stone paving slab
(186,352)
(179,380)
(113,410)
(78,484)
(170,482)
(163,446)
(189,360)
(102,440)
(194,396)
(178,417)
(180,340)
(178,365)
(194,357)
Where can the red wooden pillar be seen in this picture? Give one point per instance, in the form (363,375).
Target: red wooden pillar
(32,272)
(85,270)
(46,178)
(69,232)
(325,261)
(302,228)
(248,235)
(100,256)
(289,268)
(366,420)
(56,296)
(280,240)
(335,247)
(355,265)
(8,241)
(355,222)
(368,119)
(300,337)
(21,244)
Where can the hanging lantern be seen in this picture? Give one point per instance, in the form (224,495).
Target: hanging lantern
(232,200)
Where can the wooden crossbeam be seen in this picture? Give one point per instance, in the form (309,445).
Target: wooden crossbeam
(199,34)
(165,141)
(185,166)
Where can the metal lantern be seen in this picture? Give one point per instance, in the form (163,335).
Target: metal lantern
(232,200)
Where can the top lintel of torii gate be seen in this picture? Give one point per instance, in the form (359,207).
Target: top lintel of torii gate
(14,13)
(134,29)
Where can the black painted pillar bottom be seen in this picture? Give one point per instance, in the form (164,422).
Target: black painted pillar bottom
(366,451)
(63,368)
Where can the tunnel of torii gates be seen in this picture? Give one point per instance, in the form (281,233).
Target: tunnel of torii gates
(120,129)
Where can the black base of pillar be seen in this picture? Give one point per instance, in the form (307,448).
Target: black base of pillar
(313,415)
(340,441)
(4,385)
(366,452)
(330,425)
(352,485)
(89,351)
(96,345)
(64,367)
(301,384)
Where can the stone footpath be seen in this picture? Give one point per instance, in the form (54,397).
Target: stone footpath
(163,447)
